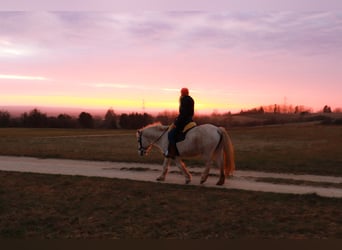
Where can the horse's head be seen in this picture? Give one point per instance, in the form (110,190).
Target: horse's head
(144,146)
(148,136)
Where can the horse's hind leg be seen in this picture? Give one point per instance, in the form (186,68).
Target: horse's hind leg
(220,163)
(205,173)
(222,178)
(181,165)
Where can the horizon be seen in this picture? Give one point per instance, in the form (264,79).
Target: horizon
(17,111)
(229,60)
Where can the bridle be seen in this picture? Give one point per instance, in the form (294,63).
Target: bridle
(145,150)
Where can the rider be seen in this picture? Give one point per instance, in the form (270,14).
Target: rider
(186,112)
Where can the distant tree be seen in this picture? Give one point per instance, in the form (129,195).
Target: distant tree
(146,119)
(276,109)
(124,121)
(290,109)
(34,119)
(302,110)
(110,120)
(338,110)
(166,117)
(296,111)
(251,111)
(86,120)
(326,109)
(5,119)
(135,120)
(66,121)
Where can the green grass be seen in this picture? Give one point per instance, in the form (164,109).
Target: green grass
(35,206)
(295,148)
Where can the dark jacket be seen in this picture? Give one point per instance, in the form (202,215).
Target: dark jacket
(186,112)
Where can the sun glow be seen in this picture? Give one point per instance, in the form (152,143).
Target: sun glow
(67,101)
(70,60)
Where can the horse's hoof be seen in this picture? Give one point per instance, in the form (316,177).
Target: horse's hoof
(220,183)
(202,182)
(187,181)
(160,179)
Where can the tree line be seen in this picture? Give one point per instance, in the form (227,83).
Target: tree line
(272,114)
(37,119)
(288,109)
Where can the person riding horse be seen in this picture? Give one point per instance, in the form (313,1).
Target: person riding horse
(186,112)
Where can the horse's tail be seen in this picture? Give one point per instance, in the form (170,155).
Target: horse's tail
(228,152)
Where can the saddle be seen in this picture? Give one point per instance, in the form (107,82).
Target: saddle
(181,136)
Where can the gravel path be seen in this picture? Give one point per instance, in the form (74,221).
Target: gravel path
(245,180)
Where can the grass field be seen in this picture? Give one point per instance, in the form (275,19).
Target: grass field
(296,148)
(34,206)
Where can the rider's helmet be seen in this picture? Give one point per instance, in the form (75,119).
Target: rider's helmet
(184,91)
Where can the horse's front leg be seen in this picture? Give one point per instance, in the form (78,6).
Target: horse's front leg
(181,165)
(166,165)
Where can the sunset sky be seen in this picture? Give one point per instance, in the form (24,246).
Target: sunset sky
(229,59)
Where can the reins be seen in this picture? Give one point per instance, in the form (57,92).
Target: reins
(156,140)
(141,148)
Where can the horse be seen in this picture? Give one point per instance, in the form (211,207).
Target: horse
(210,142)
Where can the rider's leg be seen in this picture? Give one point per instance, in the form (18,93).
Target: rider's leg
(171,152)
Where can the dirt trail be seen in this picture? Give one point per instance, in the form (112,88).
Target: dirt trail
(245,180)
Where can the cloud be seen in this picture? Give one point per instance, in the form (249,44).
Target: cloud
(300,33)
(109,85)
(106,33)
(303,33)
(22,77)
(306,33)
(127,86)
(138,87)
(170,89)
(10,50)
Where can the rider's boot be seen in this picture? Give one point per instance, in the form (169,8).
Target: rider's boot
(171,151)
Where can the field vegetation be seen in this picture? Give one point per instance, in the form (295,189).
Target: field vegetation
(295,148)
(36,206)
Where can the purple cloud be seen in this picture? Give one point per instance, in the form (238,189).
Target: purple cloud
(306,33)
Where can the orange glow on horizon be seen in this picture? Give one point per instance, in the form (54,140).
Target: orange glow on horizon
(201,107)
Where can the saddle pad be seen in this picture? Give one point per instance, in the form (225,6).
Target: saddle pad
(189,126)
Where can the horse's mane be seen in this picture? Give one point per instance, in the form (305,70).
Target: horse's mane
(155,125)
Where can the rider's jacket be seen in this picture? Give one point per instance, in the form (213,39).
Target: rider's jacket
(186,112)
